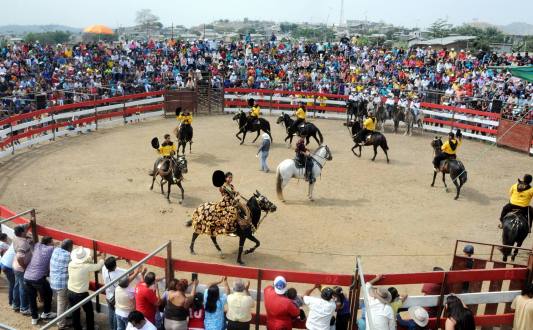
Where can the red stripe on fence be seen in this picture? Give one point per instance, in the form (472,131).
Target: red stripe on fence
(461,125)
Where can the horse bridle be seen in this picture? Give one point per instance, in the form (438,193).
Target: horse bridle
(254,228)
(323,158)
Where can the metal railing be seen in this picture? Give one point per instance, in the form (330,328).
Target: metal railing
(103,288)
(33,222)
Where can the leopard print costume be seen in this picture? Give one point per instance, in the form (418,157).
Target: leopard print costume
(220,218)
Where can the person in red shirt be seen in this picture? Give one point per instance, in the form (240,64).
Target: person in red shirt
(280,309)
(197,312)
(146,298)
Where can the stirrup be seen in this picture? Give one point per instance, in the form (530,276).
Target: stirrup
(500,226)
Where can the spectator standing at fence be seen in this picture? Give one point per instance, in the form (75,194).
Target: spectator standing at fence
(458,316)
(147,297)
(178,303)
(280,309)
(197,312)
(379,300)
(343,309)
(240,305)
(433,289)
(110,271)
(523,306)
(79,270)
(36,282)
(6,263)
(59,277)
(137,321)
(23,252)
(124,302)
(321,310)
(263,151)
(214,302)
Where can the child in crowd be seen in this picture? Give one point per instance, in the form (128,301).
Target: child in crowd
(197,312)
(292,294)
(397,300)
(4,244)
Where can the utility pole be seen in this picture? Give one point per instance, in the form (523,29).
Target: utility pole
(172,33)
(341,18)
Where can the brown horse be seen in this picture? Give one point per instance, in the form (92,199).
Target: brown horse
(171,171)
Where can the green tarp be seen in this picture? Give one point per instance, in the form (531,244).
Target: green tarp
(524,72)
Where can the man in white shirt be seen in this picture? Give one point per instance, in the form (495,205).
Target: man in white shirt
(380,309)
(321,309)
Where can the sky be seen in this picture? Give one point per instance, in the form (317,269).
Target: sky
(409,13)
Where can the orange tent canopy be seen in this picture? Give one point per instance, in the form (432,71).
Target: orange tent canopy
(98,29)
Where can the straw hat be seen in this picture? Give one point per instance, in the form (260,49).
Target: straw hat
(80,255)
(419,315)
(382,295)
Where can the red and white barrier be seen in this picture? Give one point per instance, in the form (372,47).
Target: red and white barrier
(446,277)
(48,124)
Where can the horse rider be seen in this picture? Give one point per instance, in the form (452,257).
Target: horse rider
(228,192)
(520,195)
(300,117)
(403,103)
(449,149)
(185,118)
(369,126)
(415,106)
(389,104)
(166,151)
(254,113)
(304,157)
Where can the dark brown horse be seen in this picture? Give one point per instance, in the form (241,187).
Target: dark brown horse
(515,231)
(171,172)
(455,168)
(375,140)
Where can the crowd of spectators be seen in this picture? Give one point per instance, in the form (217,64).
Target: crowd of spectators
(70,73)
(140,300)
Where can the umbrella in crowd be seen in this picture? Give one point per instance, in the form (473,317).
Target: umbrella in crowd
(98,29)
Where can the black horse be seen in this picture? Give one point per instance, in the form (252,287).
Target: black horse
(398,115)
(245,126)
(256,204)
(308,130)
(170,172)
(515,231)
(356,109)
(375,140)
(184,134)
(454,167)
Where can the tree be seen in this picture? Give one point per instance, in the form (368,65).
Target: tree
(47,38)
(440,28)
(485,36)
(147,20)
(288,27)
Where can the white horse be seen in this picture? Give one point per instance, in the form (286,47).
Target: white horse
(287,169)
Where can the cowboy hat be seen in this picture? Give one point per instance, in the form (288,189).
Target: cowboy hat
(382,295)
(419,315)
(80,255)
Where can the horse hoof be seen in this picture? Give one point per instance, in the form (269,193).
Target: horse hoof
(222,256)
(432,185)
(248,251)
(180,202)
(456,197)
(446,190)
(240,262)
(193,253)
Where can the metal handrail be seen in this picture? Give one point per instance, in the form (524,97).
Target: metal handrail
(102,289)
(16,216)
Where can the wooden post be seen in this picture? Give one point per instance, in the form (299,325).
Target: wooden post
(169,269)
(209,92)
(33,223)
(530,267)
(440,302)
(258,299)
(95,114)
(53,127)
(355,293)
(96,283)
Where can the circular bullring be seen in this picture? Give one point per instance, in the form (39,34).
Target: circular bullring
(97,185)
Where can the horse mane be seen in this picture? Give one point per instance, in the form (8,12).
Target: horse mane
(255,210)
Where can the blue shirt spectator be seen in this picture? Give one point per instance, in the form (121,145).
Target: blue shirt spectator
(59,268)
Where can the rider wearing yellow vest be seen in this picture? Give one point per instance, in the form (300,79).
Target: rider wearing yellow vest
(520,195)
(255,112)
(369,126)
(300,118)
(167,148)
(449,149)
(185,119)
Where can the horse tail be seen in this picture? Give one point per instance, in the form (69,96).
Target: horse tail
(320,137)
(176,131)
(464,174)
(279,190)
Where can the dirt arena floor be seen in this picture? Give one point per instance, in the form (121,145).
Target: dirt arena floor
(97,185)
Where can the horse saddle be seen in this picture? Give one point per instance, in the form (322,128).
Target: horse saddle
(163,164)
(300,163)
(301,126)
(445,164)
(244,218)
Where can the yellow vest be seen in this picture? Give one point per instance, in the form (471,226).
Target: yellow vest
(300,113)
(185,119)
(448,149)
(520,198)
(167,150)
(370,124)
(255,112)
